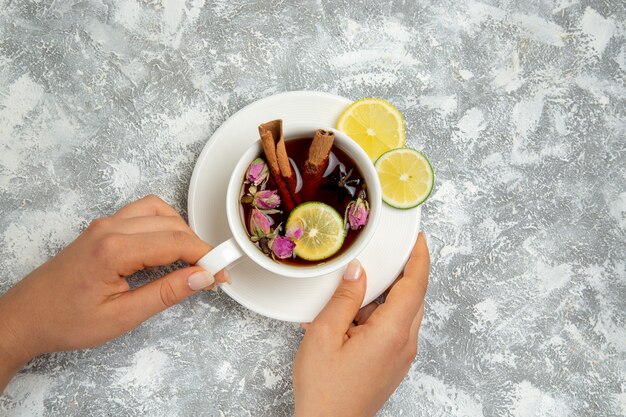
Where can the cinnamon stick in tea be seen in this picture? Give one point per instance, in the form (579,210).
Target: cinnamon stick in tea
(278,161)
(317,162)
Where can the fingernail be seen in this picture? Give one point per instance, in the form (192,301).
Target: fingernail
(227,276)
(353,271)
(199,280)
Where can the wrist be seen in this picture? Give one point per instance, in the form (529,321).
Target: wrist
(15,348)
(13,356)
(12,349)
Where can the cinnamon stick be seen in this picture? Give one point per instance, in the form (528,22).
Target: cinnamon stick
(280,168)
(317,162)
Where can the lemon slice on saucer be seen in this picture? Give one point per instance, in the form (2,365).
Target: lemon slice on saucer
(322,230)
(406,177)
(374,124)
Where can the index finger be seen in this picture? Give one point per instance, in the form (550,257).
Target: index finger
(128,254)
(406,297)
(150,205)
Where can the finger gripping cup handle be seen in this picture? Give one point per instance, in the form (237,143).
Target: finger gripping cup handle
(220,256)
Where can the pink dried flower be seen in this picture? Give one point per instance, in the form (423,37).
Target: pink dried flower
(258,172)
(259,224)
(282,247)
(266,199)
(294,232)
(357,212)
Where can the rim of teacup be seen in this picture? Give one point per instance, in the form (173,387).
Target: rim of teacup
(238,228)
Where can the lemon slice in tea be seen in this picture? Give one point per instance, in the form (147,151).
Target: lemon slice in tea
(322,230)
(406,177)
(375,124)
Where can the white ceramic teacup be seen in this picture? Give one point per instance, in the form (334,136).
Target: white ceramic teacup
(240,245)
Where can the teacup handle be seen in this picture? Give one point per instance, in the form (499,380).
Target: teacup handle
(220,256)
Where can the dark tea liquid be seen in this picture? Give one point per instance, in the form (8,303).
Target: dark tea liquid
(328,192)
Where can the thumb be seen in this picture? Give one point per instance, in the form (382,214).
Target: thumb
(156,296)
(344,305)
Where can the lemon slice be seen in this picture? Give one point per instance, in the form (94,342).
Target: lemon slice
(375,124)
(406,177)
(322,230)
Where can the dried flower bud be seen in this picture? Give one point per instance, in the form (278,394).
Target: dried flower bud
(258,172)
(294,232)
(357,213)
(266,199)
(260,224)
(282,247)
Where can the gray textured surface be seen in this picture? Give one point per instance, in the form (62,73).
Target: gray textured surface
(520,106)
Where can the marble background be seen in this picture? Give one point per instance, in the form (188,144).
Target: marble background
(519,104)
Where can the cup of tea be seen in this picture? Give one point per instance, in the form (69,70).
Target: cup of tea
(264,213)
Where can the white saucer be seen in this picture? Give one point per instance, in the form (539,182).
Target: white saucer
(282,298)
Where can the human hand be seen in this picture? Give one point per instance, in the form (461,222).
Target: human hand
(350,360)
(80,298)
